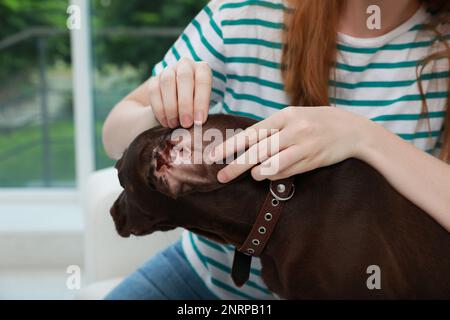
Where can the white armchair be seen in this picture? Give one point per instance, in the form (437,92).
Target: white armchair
(107,256)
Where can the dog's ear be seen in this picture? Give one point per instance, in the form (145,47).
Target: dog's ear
(119,163)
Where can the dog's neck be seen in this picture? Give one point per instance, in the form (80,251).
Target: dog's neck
(231,212)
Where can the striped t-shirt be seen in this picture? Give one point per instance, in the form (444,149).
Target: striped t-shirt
(375,77)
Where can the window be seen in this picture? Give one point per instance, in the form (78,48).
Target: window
(36,118)
(37,130)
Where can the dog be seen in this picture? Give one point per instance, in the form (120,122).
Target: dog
(344,227)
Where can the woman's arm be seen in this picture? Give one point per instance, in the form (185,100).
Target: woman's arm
(127,120)
(420,177)
(310,138)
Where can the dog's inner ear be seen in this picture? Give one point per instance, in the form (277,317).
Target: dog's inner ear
(178,167)
(163,157)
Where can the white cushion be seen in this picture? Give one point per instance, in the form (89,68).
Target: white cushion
(97,290)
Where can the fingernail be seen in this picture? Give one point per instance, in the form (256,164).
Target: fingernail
(173,123)
(186,120)
(222,177)
(198,118)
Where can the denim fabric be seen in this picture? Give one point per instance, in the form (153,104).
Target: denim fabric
(167,275)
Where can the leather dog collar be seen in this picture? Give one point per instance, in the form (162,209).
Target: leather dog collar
(280,191)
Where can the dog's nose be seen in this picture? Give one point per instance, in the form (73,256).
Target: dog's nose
(120,219)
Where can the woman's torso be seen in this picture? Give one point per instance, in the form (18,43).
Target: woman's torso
(375,78)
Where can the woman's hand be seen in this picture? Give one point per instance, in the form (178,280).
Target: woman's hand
(181,93)
(307,138)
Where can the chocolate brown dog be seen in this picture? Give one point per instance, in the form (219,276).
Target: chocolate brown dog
(342,219)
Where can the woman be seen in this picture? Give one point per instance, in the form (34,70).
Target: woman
(387,88)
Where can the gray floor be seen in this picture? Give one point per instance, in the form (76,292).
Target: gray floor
(34,285)
(38,242)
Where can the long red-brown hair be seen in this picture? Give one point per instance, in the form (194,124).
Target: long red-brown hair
(309,54)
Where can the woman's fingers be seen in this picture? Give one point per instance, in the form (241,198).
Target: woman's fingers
(202,91)
(185,91)
(156,101)
(168,87)
(250,136)
(181,93)
(257,153)
(298,167)
(236,143)
(279,164)
(296,159)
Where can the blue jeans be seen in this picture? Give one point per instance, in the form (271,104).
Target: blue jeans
(168,275)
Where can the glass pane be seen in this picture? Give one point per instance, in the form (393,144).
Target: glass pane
(36,118)
(128,38)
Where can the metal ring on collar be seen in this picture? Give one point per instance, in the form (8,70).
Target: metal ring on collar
(281,198)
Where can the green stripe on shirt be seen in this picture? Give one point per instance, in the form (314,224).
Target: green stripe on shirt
(253,60)
(419,135)
(388,47)
(175,53)
(194,55)
(388,84)
(409,117)
(253,98)
(383,103)
(340,84)
(256,80)
(260,3)
(206,43)
(377,65)
(211,244)
(253,41)
(254,22)
(213,23)
(227,108)
(341,47)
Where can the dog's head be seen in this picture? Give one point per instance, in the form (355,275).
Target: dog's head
(161,166)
